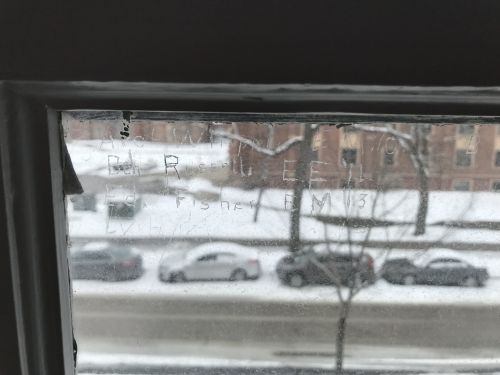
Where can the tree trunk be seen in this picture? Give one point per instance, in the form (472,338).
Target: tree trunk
(340,338)
(305,151)
(257,205)
(423,204)
(265,173)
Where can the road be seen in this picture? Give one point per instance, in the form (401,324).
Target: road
(289,331)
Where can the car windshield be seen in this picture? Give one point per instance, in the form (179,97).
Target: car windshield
(241,247)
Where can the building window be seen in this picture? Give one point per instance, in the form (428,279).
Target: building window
(347,184)
(349,156)
(349,129)
(463,159)
(461,185)
(389,158)
(495,186)
(465,129)
(497,159)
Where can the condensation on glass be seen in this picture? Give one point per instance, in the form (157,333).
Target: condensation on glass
(261,246)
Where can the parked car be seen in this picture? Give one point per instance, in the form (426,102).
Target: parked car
(302,268)
(439,271)
(211,261)
(105,261)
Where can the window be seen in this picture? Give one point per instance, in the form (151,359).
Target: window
(208,258)
(495,186)
(347,184)
(497,158)
(195,211)
(349,129)
(389,158)
(466,129)
(461,185)
(463,158)
(204,202)
(349,156)
(437,264)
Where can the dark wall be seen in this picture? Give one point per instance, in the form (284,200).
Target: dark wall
(427,42)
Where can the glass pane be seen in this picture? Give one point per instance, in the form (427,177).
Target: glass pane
(283,248)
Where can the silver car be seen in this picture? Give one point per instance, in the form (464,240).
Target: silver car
(211,261)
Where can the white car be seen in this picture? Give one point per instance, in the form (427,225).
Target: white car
(211,261)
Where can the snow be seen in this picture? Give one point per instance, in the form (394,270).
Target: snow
(428,361)
(231,216)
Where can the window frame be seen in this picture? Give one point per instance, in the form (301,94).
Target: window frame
(37,289)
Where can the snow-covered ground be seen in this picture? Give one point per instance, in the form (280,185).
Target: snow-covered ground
(195,207)
(268,287)
(231,216)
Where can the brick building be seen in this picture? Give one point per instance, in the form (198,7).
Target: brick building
(178,132)
(463,157)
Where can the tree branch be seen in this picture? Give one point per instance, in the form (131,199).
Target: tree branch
(262,150)
(384,130)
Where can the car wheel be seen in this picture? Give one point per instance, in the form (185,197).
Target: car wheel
(178,277)
(161,277)
(409,280)
(296,280)
(470,282)
(239,275)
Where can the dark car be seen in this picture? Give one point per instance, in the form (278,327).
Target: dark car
(105,261)
(440,271)
(302,268)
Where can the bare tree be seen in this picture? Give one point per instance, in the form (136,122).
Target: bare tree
(301,172)
(347,290)
(265,171)
(301,178)
(416,144)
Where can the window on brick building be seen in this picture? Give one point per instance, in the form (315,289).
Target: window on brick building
(465,129)
(497,159)
(347,184)
(389,158)
(461,185)
(349,156)
(463,159)
(495,186)
(349,129)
